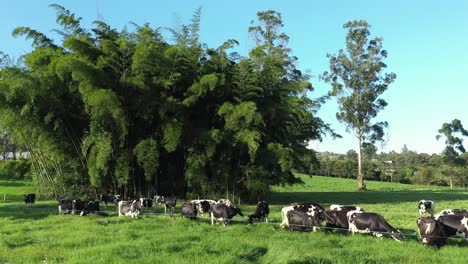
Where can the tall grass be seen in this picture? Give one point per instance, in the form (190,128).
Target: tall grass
(37,235)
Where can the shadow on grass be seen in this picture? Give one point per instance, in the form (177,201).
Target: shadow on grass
(366,197)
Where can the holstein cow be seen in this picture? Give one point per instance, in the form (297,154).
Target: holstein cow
(203,205)
(299,221)
(224,201)
(131,208)
(146,203)
(360,222)
(313,210)
(432,232)
(78,206)
(170,202)
(454,225)
(158,201)
(452,212)
(337,207)
(109,199)
(189,210)
(426,206)
(261,213)
(29,199)
(65,206)
(224,213)
(336,219)
(90,207)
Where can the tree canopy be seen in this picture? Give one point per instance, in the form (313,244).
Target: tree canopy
(130,112)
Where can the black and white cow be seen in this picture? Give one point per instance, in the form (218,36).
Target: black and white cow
(361,222)
(158,201)
(78,206)
(225,201)
(170,203)
(224,213)
(314,210)
(130,208)
(426,206)
(261,213)
(105,198)
(454,225)
(90,207)
(189,210)
(203,205)
(29,199)
(452,212)
(146,203)
(299,221)
(432,232)
(65,206)
(336,219)
(338,207)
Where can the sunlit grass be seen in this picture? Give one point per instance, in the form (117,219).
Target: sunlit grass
(40,235)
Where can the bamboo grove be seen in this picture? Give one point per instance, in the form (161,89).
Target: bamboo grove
(137,112)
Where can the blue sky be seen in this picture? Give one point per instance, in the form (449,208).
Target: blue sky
(426,42)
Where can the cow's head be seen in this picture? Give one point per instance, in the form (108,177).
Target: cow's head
(397,235)
(237,211)
(134,209)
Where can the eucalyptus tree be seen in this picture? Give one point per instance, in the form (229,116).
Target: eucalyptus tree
(453,133)
(358,80)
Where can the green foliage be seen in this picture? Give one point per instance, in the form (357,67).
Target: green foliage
(147,155)
(15,169)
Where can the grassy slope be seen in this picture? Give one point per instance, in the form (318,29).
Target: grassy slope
(36,235)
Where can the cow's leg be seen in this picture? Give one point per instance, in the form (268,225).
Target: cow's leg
(212,218)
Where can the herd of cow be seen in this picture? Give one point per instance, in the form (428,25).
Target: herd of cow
(434,230)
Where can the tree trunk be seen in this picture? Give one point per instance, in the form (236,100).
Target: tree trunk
(360,177)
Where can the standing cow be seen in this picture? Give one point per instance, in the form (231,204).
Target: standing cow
(29,199)
(170,203)
(224,213)
(130,208)
(189,210)
(261,213)
(360,222)
(426,206)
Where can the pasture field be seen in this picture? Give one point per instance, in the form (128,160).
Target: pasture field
(40,235)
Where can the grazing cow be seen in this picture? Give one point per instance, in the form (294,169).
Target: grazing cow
(224,213)
(313,210)
(337,207)
(299,221)
(261,213)
(131,208)
(225,201)
(336,219)
(65,206)
(426,206)
(432,232)
(90,207)
(78,206)
(189,210)
(360,222)
(170,202)
(452,212)
(29,199)
(203,205)
(109,199)
(146,203)
(158,201)
(454,225)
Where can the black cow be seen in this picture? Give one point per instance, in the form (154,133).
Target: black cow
(336,219)
(360,222)
(432,232)
(189,210)
(146,203)
(78,206)
(314,210)
(224,213)
(65,206)
(170,202)
(426,206)
(110,199)
(454,225)
(90,207)
(261,213)
(299,221)
(29,199)
(131,208)
(337,207)
(203,205)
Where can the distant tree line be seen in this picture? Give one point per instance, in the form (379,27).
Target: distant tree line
(405,166)
(131,112)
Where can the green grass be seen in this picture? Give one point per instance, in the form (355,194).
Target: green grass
(37,235)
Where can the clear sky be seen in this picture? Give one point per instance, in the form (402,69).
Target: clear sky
(427,43)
